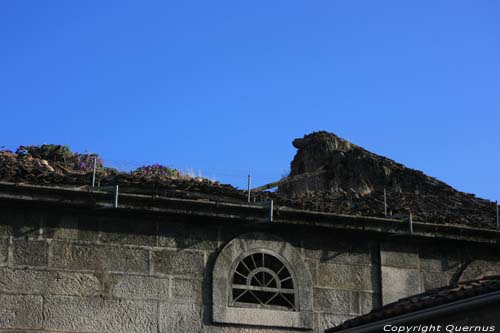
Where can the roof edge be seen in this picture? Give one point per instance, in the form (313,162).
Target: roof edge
(94,198)
(427,313)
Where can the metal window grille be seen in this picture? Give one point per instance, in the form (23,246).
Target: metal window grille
(263,280)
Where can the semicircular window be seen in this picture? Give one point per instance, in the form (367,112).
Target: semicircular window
(263,280)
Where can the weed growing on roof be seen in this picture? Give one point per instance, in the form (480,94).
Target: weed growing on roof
(157,170)
(61,154)
(53,153)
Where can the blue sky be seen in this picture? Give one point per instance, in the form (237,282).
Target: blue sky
(223,87)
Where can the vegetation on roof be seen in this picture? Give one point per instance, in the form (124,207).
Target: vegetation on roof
(62,154)
(354,182)
(157,170)
(57,165)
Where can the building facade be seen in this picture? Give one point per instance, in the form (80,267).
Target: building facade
(73,261)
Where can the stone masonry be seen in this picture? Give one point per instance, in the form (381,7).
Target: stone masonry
(79,270)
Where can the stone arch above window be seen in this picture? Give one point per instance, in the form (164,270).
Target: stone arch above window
(259,279)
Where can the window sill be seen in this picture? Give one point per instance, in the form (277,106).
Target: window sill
(262,317)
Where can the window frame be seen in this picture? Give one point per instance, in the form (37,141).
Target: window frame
(225,263)
(283,261)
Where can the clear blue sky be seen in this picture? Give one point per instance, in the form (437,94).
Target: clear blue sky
(225,86)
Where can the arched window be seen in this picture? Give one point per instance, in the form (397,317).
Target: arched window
(263,279)
(259,279)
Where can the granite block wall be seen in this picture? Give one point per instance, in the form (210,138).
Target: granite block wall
(101,271)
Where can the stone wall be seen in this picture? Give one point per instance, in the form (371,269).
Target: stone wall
(106,271)
(409,268)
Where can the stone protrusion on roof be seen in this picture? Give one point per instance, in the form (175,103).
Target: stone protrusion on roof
(352,181)
(355,179)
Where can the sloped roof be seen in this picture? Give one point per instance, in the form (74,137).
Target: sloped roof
(353,184)
(18,168)
(426,300)
(355,179)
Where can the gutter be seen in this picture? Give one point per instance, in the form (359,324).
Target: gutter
(429,313)
(93,199)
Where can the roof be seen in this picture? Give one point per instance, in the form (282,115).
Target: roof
(356,179)
(353,184)
(27,169)
(427,300)
(99,200)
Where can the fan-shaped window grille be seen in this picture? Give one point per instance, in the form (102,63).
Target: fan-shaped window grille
(263,280)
